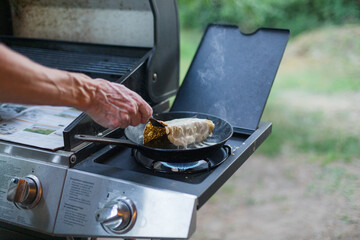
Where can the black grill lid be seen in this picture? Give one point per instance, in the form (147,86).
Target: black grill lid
(232,73)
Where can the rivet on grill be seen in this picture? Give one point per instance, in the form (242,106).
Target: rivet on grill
(154,77)
(73,159)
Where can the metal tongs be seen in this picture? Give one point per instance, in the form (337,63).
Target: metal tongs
(156,123)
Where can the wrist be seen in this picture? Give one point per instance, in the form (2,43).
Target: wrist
(82,91)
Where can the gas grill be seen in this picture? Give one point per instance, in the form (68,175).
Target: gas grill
(104,190)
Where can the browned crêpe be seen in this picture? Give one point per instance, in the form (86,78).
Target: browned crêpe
(151,132)
(180,132)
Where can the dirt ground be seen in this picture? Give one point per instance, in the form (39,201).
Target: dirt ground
(284,198)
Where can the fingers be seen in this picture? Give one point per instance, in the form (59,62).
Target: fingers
(138,109)
(117,106)
(146,112)
(134,114)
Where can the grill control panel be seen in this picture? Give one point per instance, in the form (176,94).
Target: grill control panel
(100,206)
(36,193)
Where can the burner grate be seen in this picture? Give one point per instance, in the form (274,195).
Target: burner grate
(78,61)
(190,167)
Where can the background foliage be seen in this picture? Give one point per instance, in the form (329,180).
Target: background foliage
(304,181)
(301,15)
(324,33)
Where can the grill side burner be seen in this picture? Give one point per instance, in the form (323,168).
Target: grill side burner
(201,165)
(118,162)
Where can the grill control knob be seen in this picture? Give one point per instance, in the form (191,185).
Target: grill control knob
(118,215)
(24,192)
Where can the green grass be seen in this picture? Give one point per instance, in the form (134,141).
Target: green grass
(335,179)
(328,76)
(326,60)
(189,41)
(304,132)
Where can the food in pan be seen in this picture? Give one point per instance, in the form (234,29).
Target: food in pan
(152,132)
(180,132)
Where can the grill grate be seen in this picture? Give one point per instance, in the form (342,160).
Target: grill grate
(79,62)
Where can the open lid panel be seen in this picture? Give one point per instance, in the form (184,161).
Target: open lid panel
(232,73)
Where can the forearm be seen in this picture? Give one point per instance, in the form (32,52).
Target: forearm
(24,81)
(110,104)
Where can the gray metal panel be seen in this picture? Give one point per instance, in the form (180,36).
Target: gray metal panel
(163,75)
(118,22)
(26,152)
(41,217)
(160,213)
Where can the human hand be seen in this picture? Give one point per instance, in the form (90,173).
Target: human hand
(113,105)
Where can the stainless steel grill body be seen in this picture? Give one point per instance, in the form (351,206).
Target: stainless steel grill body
(166,204)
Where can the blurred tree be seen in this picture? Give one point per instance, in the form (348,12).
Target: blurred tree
(298,15)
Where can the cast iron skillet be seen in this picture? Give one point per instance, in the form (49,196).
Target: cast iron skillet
(168,152)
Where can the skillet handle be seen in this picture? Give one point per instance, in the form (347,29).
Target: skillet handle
(115,141)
